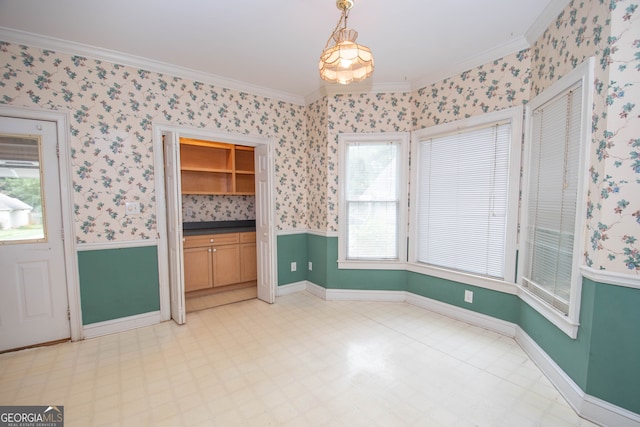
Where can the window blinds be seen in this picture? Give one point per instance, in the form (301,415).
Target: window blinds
(463,199)
(372,200)
(552,198)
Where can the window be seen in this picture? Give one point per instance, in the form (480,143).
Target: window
(558,129)
(373,197)
(466,177)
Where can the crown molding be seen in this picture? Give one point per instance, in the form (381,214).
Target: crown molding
(73,48)
(482,58)
(548,15)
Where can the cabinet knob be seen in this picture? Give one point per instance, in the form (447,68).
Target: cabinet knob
(210,240)
(214,249)
(209,250)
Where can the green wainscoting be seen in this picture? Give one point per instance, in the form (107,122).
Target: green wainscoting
(486,301)
(604,360)
(292,248)
(614,362)
(116,283)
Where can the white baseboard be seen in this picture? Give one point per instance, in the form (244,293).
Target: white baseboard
(361,295)
(589,407)
(107,327)
(471,317)
(316,290)
(291,288)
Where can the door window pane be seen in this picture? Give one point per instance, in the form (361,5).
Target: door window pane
(21,199)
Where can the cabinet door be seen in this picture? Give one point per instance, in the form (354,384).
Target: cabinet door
(226,265)
(248,262)
(197,269)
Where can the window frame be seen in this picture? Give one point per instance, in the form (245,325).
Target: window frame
(344,140)
(507,284)
(584,74)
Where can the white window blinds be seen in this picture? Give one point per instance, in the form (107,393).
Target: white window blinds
(372,197)
(554,160)
(463,200)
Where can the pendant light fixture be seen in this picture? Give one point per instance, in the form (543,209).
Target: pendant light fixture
(346,61)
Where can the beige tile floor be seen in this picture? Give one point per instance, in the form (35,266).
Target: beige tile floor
(300,362)
(203,302)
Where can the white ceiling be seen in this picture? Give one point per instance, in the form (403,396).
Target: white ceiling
(275,45)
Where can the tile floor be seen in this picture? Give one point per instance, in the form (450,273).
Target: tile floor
(300,362)
(204,302)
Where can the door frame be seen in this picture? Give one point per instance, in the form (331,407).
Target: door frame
(61,119)
(161,208)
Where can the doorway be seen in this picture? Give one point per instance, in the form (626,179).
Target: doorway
(39,300)
(171,243)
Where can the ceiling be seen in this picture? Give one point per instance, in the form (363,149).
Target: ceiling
(274,46)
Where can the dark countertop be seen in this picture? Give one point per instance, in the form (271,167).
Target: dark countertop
(217,227)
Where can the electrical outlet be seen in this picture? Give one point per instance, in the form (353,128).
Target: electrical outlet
(468,296)
(294,266)
(310,266)
(189,211)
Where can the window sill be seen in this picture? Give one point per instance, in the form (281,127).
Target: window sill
(561,321)
(465,278)
(372,265)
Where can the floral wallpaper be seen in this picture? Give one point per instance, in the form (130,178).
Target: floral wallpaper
(609,32)
(381,112)
(112,108)
(503,83)
(617,233)
(197,208)
(317,207)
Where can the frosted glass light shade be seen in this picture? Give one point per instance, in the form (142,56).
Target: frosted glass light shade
(346,61)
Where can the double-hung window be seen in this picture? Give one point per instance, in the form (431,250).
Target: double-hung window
(554,201)
(464,198)
(373,198)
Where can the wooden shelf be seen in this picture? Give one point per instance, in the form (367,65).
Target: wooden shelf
(216,168)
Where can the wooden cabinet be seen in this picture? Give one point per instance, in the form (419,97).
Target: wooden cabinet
(216,168)
(248,257)
(216,260)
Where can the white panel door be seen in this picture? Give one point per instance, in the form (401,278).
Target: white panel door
(174,226)
(265,244)
(33,288)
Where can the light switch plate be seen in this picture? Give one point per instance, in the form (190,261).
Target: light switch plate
(132,208)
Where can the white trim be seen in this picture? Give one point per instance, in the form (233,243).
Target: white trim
(73,48)
(158,128)
(116,245)
(393,265)
(544,20)
(464,278)
(364,295)
(327,233)
(607,414)
(611,278)
(401,139)
(66,206)
(589,407)
(562,322)
(316,290)
(291,288)
(583,73)
(471,317)
(514,116)
(481,58)
(122,324)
